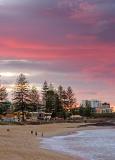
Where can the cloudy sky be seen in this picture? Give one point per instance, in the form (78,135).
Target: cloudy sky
(68,42)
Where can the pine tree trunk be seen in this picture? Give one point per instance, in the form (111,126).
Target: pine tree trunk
(23,119)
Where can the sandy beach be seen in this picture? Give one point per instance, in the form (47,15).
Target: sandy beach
(19,144)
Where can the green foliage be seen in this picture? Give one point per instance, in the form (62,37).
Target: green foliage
(67,97)
(21,98)
(44,92)
(60,93)
(3,99)
(70,97)
(103,115)
(85,111)
(54,104)
(74,111)
(4,106)
(88,111)
(81,111)
(58,110)
(34,99)
(26,99)
(50,101)
(3,94)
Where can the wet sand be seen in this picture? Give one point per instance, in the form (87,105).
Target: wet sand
(19,143)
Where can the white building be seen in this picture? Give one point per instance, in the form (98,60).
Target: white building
(95,103)
(85,103)
(105,108)
(97,106)
(92,103)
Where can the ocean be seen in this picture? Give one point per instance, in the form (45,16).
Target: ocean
(89,144)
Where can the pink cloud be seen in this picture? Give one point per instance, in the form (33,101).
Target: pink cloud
(82,38)
(82,11)
(71,39)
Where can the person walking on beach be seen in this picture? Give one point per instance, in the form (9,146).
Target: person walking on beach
(36,133)
(42,134)
(8,130)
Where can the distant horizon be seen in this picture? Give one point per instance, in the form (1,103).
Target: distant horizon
(65,42)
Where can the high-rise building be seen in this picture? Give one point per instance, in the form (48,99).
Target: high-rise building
(92,103)
(97,106)
(95,103)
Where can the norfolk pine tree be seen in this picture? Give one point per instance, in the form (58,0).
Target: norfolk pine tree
(21,98)
(34,99)
(3,98)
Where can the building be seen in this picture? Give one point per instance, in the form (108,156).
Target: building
(44,116)
(85,103)
(92,103)
(76,117)
(95,103)
(97,106)
(104,108)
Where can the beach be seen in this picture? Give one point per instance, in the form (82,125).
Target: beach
(17,142)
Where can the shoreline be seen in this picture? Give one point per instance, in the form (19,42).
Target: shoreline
(76,131)
(73,145)
(18,143)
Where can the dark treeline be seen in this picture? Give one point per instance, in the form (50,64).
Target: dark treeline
(60,102)
(25,98)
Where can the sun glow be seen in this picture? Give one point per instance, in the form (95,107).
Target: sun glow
(11,74)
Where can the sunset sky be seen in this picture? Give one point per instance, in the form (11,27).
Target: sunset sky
(68,42)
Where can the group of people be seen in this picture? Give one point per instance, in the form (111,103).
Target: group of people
(32,132)
(36,133)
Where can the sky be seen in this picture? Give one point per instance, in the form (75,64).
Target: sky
(67,42)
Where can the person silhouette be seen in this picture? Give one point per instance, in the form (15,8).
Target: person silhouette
(36,133)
